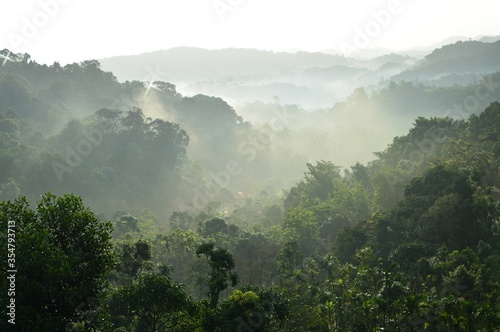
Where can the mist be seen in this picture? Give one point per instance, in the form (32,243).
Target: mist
(309,181)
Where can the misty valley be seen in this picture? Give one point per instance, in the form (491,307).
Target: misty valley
(246,190)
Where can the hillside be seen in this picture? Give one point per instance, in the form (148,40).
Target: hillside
(463,57)
(312,80)
(271,141)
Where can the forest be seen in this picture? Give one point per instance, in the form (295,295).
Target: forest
(128,206)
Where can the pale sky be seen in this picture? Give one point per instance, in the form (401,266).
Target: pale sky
(72,31)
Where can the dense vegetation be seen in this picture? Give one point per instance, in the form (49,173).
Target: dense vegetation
(407,242)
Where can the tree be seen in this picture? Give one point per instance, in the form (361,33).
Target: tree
(255,257)
(347,242)
(289,260)
(156,300)
(63,255)
(485,128)
(181,220)
(222,263)
(318,184)
(125,224)
(132,258)
(253,309)
(360,174)
(301,225)
(212,227)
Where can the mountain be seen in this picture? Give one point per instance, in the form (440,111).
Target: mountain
(462,57)
(188,63)
(489,39)
(313,80)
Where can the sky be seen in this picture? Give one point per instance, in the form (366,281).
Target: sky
(71,31)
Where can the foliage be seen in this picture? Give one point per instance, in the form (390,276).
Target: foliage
(63,254)
(409,241)
(222,263)
(156,300)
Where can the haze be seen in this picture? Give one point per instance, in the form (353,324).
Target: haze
(250,165)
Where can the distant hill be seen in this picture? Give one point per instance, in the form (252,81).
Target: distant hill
(312,80)
(391,58)
(187,63)
(489,39)
(462,57)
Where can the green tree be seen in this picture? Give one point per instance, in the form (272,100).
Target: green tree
(301,225)
(212,227)
(485,128)
(63,255)
(253,309)
(156,300)
(318,185)
(132,258)
(348,241)
(221,263)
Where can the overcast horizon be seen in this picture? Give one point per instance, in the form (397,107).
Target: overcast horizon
(68,31)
